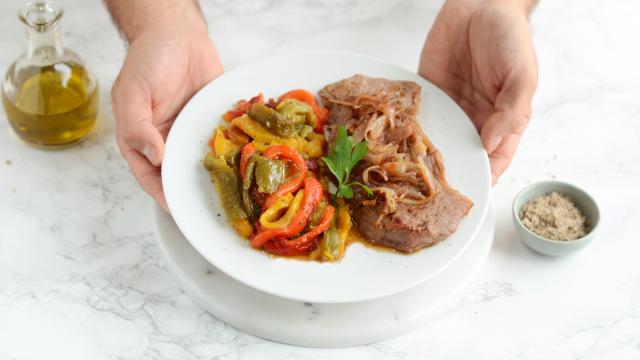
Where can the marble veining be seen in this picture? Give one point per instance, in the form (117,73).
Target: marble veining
(81,277)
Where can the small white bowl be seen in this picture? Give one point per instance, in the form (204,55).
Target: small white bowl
(583,201)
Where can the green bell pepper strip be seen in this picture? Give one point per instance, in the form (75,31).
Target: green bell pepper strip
(281,125)
(330,245)
(269,174)
(228,185)
(247,179)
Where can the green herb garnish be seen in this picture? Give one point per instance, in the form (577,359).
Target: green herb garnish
(342,159)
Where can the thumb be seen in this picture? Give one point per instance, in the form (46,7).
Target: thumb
(511,115)
(501,132)
(501,125)
(145,138)
(134,121)
(500,136)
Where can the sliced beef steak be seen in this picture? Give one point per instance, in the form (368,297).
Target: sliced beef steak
(414,207)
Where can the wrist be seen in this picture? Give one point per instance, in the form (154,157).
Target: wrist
(175,17)
(524,6)
(136,17)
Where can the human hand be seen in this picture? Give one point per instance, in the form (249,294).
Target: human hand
(166,64)
(481,54)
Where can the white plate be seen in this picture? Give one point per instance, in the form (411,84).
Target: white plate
(363,274)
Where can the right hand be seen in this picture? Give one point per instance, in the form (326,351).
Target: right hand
(167,63)
(480,52)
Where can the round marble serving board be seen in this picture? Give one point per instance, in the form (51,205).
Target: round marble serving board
(319,325)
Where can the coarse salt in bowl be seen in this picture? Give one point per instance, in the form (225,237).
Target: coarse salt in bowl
(582,200)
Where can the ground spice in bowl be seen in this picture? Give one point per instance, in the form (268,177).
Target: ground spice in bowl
(554,216)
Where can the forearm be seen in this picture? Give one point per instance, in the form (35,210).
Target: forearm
(133,17)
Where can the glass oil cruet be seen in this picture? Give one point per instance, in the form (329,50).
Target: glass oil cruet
(49,96)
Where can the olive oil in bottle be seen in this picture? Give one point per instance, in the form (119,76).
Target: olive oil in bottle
(50,98)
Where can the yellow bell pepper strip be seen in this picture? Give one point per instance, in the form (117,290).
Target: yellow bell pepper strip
(220,145)
(269,218)
(271,215)
(256,131)
(260,146)
(315,254)
(242,227)
(313,147)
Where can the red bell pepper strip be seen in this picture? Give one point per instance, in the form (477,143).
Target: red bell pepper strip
(285,152)
(236,135)
(247,151)
(312,196)
(303,244)
(322,116)
(279,247)
(288,153)
(242,106)
(263,237)
(325,223)
(299,94)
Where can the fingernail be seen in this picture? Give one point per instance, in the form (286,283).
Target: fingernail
(147,151)
(494,142)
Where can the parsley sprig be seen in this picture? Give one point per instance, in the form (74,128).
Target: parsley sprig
(344,156)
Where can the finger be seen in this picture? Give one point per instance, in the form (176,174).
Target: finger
(134,119)
(501,157)
(147,175)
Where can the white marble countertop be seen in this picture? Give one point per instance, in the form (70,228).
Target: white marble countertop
(81,277)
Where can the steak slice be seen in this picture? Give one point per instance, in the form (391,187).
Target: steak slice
(414,206)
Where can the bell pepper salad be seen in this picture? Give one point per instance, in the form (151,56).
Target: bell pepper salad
(265,162)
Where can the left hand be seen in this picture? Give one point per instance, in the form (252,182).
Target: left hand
(480,52)
(167,63)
